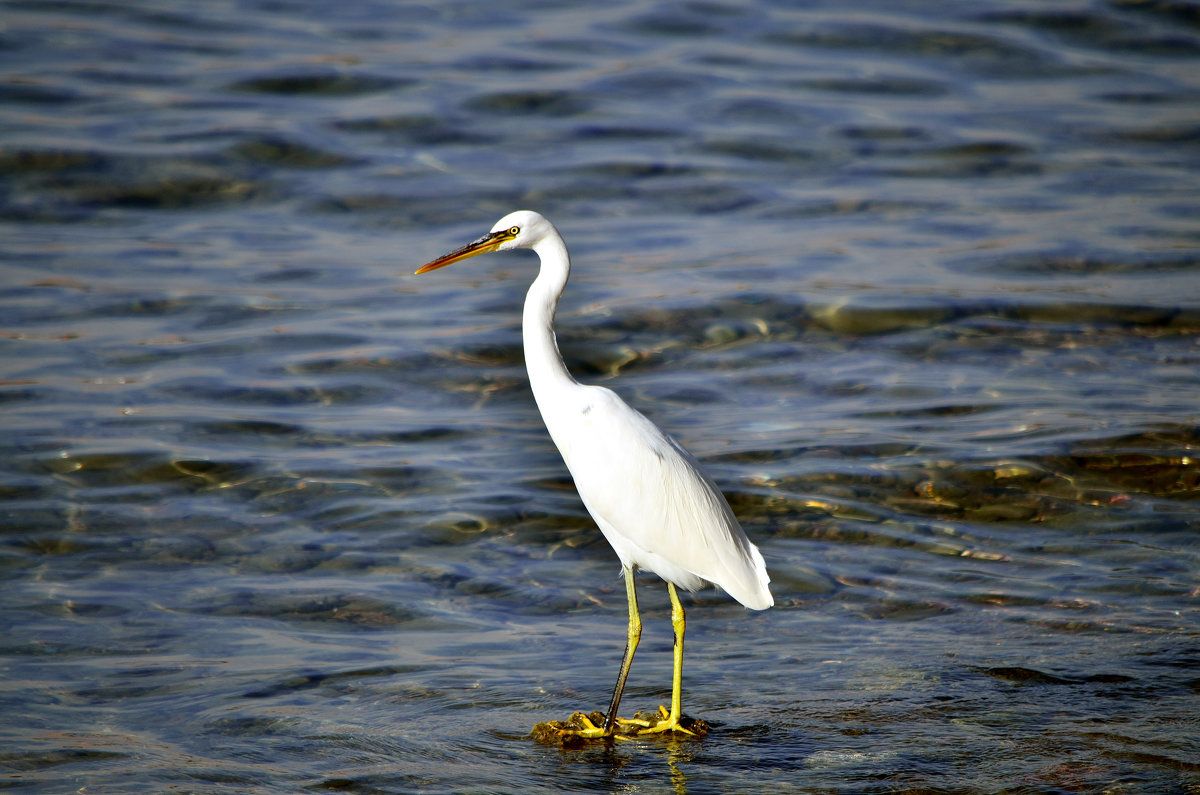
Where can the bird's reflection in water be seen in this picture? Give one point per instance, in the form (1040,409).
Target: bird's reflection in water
(618,756)
(676,753)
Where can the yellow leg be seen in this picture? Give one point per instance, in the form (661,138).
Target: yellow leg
(677,624)
(590,727)
(670,722)
(631,643)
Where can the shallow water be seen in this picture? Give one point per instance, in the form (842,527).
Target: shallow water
(920,286)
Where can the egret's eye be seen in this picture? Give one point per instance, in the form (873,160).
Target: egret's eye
(516,230)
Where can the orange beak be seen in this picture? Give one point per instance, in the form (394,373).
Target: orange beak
(489,242)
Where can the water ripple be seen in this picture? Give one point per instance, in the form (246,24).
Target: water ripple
(918,288)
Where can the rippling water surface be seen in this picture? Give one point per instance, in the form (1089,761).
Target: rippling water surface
(919,283)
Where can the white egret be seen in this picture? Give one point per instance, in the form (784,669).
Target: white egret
(651,500)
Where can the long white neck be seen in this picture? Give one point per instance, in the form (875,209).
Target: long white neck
(542,359)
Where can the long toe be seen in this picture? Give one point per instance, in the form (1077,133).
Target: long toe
(668,723)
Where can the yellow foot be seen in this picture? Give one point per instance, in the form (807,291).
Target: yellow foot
(666,722)
(577,730)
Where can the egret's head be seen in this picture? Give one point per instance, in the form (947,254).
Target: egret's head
(522,229)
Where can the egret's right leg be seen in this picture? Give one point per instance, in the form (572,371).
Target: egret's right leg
(581,725)
(631,643)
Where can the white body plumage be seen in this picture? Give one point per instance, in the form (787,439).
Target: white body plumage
(649,496)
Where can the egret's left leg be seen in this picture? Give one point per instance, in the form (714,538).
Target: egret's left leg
(670,722)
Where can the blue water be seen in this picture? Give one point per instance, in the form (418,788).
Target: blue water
(918,283)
